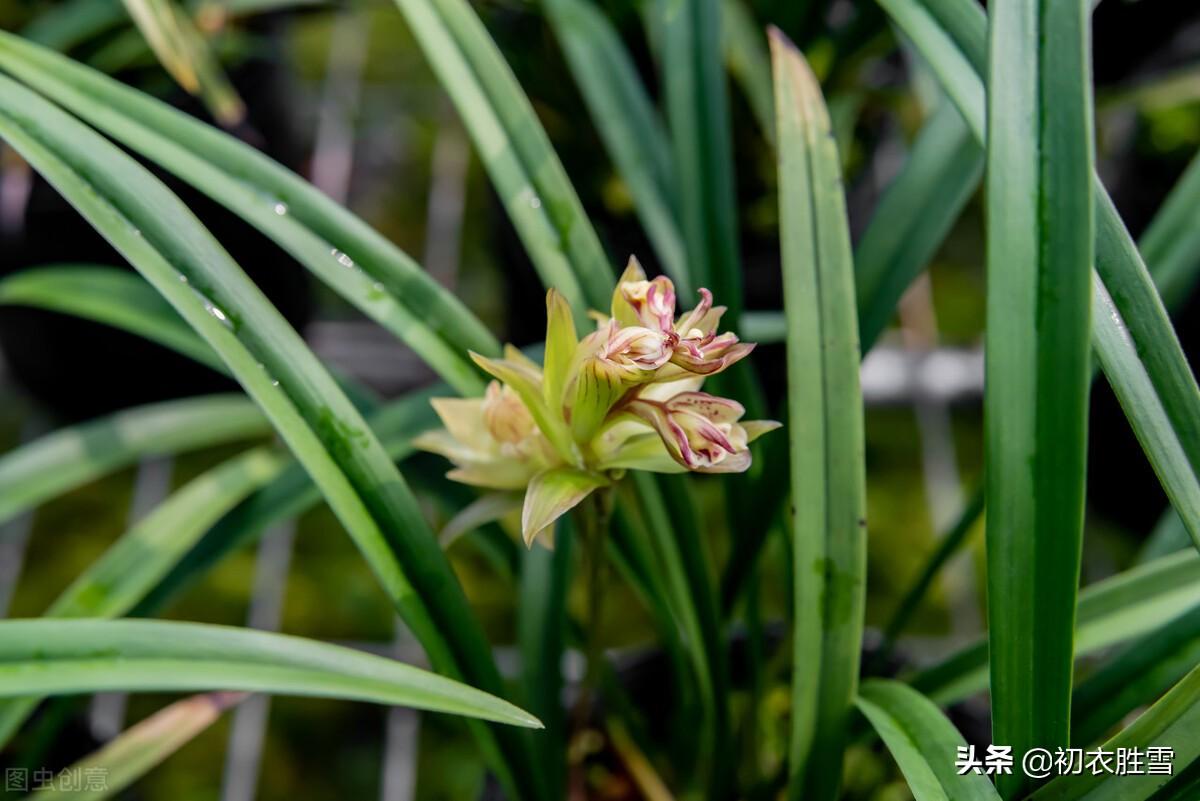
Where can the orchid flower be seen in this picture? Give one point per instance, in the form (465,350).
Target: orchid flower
(624,397)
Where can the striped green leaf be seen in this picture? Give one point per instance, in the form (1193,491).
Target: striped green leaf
(515,150)
(70,457)
(1137,347)
(923,743)
(339,248)
(1173,723)
(1137,676)
(697,100)
(161,238)
(1038,369)
(110,296)
(289,495)
(56,657)
(139,559)
(825,421)
(1112,611)
(1171,243)
(749,62)
(628,123)
(913,217)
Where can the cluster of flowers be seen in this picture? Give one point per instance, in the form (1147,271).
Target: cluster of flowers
(624,397)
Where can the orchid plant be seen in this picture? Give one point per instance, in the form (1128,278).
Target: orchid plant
(624,397)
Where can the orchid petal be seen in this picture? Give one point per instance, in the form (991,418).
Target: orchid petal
(483,510)
(553,493)
(756,428)
(622,312)
(527,384)
(561,342)
(463,418)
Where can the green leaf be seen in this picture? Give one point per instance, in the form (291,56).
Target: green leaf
(1171,243)
(629,125)
(71,457)
(1137,676)
(1040,156)
(1112,611)
(111,296)
(951,36)
(339,248)
(57,657)
(923,743)
(746,57)
(697,100)
(164,241)
(553,493)
(1172,723)
(140,748)
(291,494)
(515,150)
(825,421)
(913,217)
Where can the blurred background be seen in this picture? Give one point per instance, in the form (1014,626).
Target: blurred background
(340,93)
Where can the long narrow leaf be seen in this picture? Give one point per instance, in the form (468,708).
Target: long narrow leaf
(628,123)
(826,424)
(697,99)
(515,150)
(1112,611)
(54,657)
(922,741)
(951,35)
(336,246)
(160,237)
(1171,243)
(139,559)
(1038,368)
(106,295)
(1172,724)
(72,456)
(913,217)
(1144,670)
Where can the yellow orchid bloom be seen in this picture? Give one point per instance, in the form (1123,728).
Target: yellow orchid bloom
(624,397)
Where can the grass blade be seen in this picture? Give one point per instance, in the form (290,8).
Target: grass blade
(922,742)
(951,35)
(57,657)
(110,296)
(749,62)
(140,748)
(515,150)
(71,457)
(160,237)
(1144,670)
(1112,611)
(628,123)
(826,425)
(696,92)
(139,559)
(1171,243)
(1038,363)
(290,495)
(914,216)
(339,248)
(1172,723)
